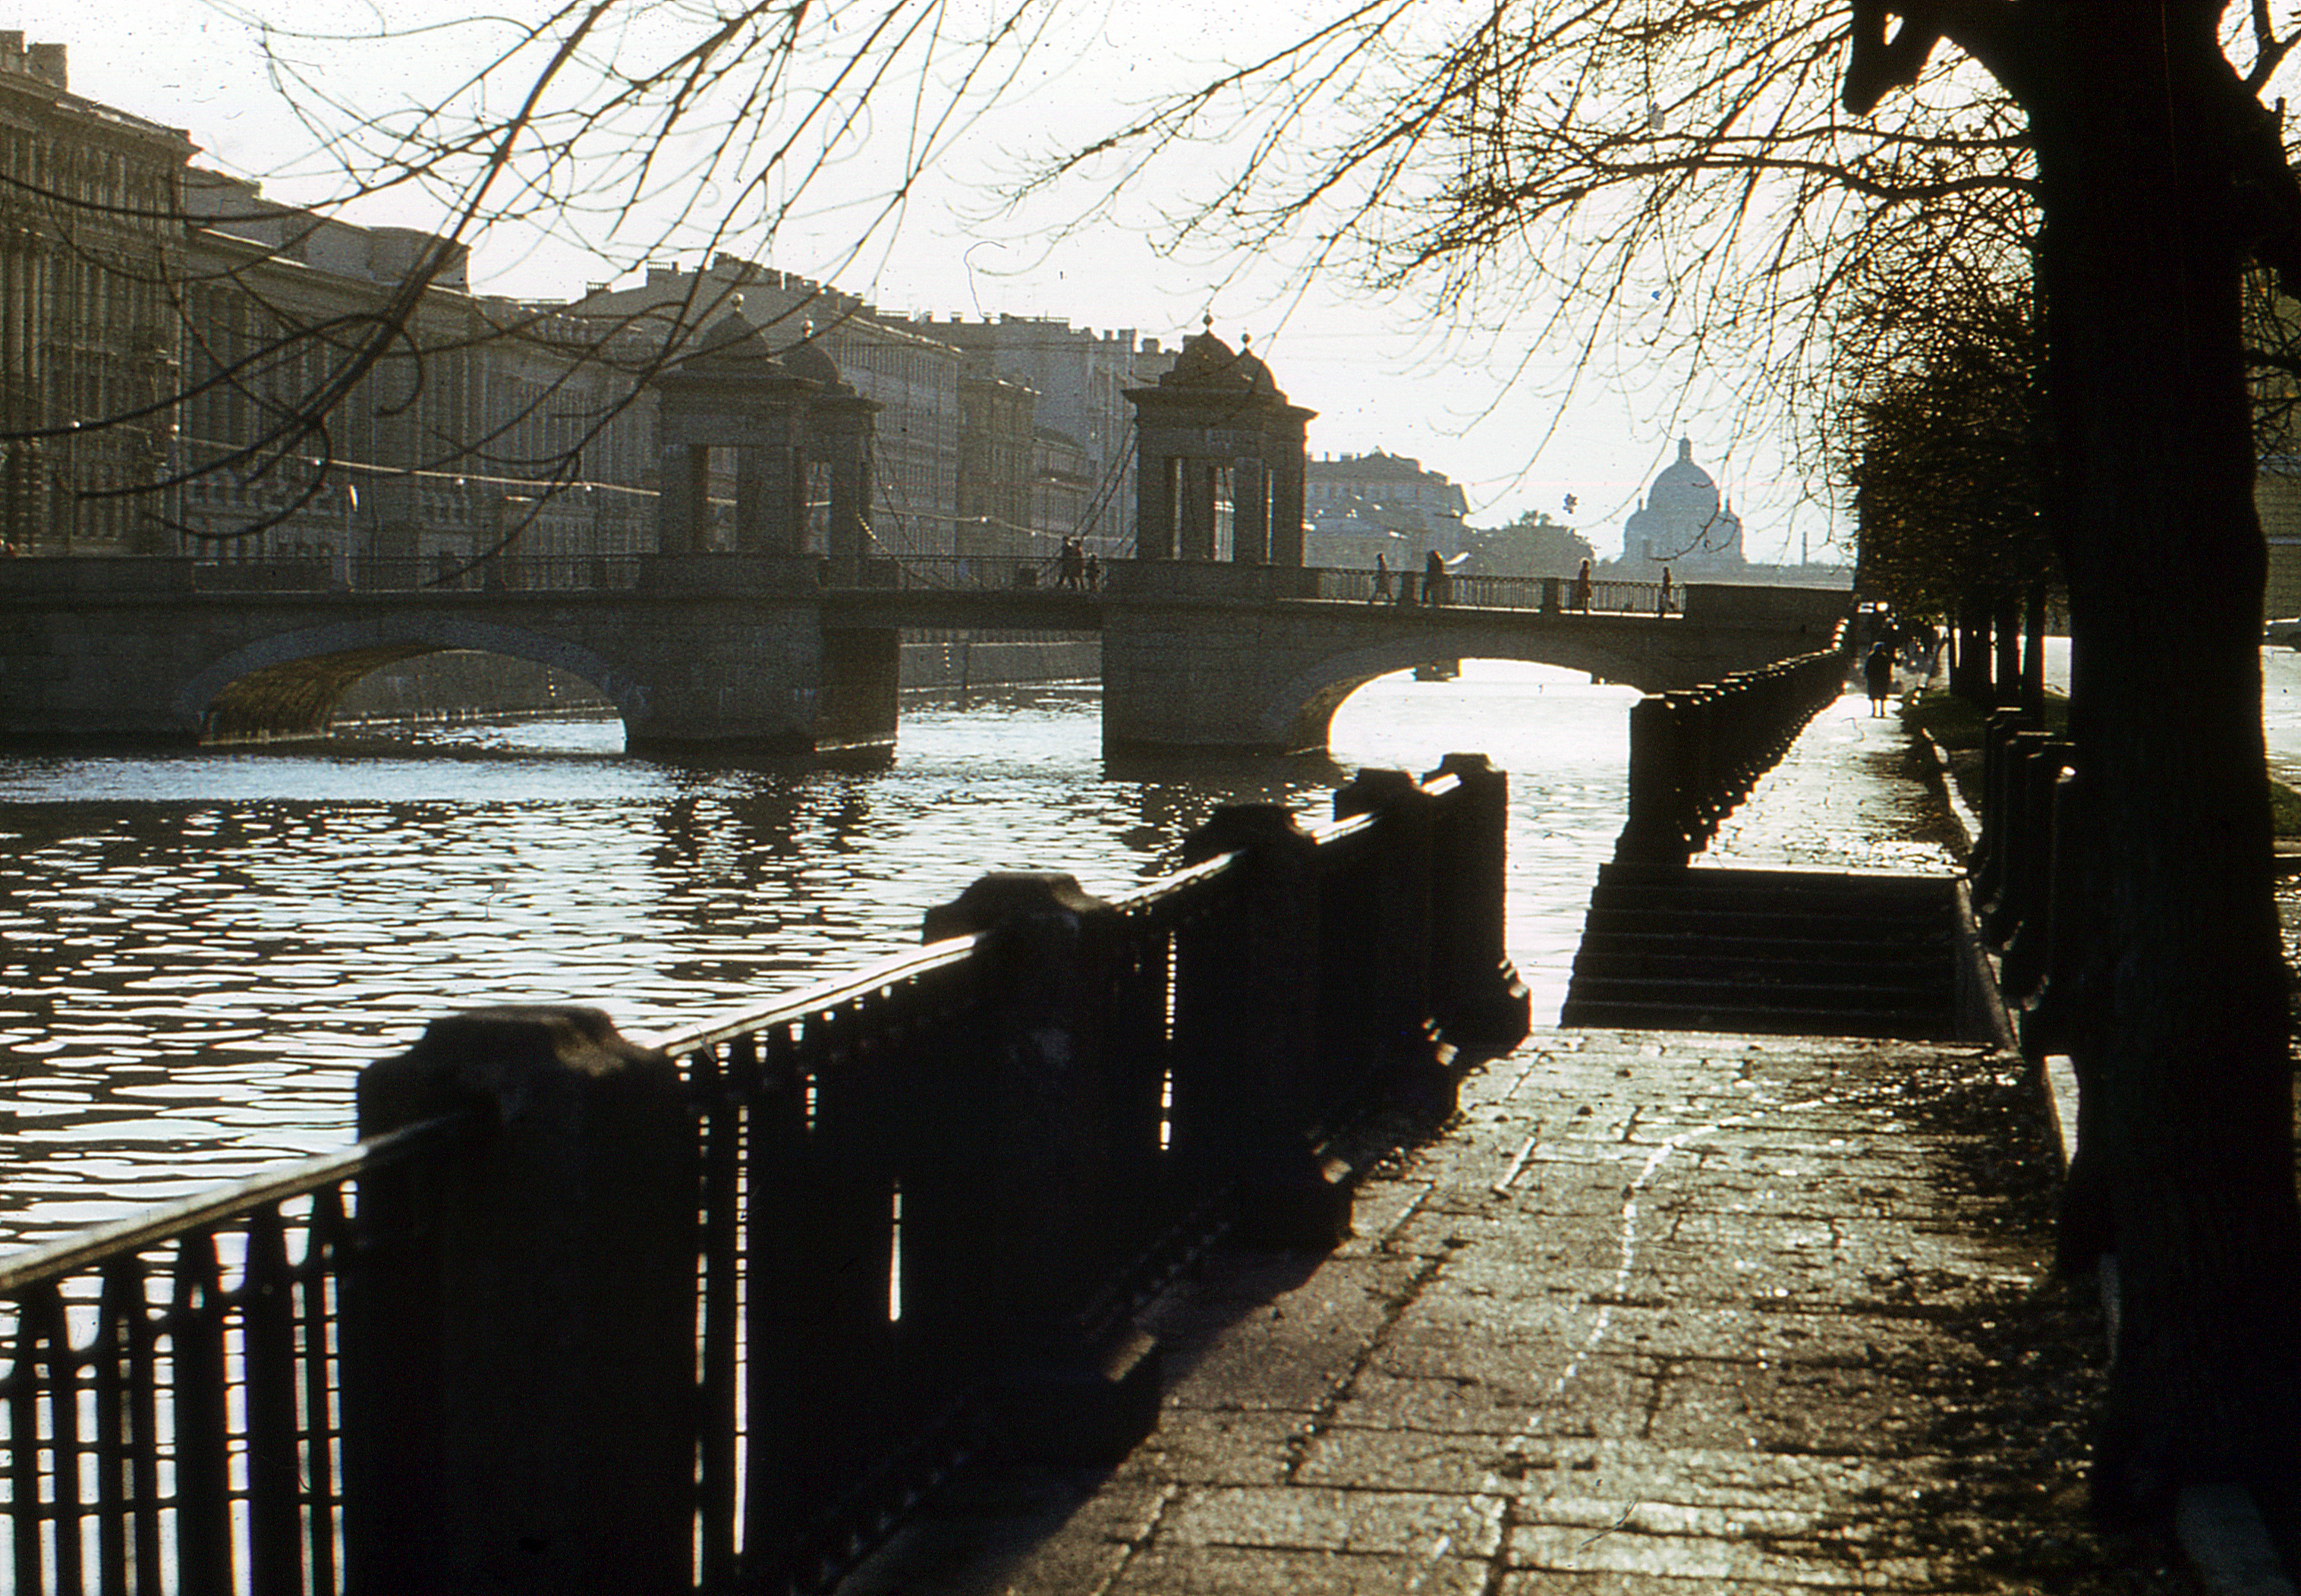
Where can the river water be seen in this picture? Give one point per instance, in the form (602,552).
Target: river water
(202,950)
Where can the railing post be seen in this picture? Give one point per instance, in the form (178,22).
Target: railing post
(1059,1126)
(1481,1003)
(1655,832)
(1996,891)
(1398,974)
(519,1375)
(2049,1016)
(1249,1087)
(2025,906)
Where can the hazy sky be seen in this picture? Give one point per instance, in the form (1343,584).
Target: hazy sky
(1389,374)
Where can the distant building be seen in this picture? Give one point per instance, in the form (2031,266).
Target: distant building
(88,332)
(1357,507)
(340,393)
(996,442)
(1684,525)
(490,425)
(1080,377)
(1063,484)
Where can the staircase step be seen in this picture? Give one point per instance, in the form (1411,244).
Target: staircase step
(1661,918)
(1610,962)
(1785,994)
(1786,952)
(1906,1025)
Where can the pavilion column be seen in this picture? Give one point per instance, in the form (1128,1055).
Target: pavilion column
(1154,508)
(781,527)
(1286,474)
(754,520)
(1250,521)
(684,498)
(851,497)
(1195,538)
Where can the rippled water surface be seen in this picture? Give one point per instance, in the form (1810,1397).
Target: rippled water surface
(201,952)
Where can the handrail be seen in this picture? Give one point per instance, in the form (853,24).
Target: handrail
(808,1002)
(37,1265)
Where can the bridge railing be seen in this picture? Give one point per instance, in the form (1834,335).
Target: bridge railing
(580,1313)
(1552,593)
(961,573)
(441,574)
(503,572)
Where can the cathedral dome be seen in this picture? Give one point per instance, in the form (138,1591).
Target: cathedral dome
(1684,520)
(1682,490)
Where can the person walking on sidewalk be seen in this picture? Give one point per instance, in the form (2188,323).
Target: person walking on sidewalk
(1878,672)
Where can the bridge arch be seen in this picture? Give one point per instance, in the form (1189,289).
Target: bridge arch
(287,684)
(1298,711)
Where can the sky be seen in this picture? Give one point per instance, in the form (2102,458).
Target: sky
(1481,405)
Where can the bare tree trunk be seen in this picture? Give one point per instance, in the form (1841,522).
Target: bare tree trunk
(2033,652)
(1970,669)
(2188,1035)
(2006,620)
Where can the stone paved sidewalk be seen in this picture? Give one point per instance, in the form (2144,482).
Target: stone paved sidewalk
(1846,796)
(1658,1313)
(1663,1313)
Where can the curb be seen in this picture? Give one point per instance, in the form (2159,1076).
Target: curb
(2220,1526)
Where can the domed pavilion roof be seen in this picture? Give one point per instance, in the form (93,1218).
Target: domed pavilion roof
(731,346)
(732,339)
(1207,362)
(807,359)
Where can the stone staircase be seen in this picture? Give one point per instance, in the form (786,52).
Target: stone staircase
(1775,952)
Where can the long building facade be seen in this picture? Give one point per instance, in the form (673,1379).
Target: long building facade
(87,331)
(187,367)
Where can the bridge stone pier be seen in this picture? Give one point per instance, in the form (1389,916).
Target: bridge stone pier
(710,654)
(1243,659)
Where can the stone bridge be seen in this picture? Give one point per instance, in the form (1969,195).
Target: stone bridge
(734,654)
(1217,656)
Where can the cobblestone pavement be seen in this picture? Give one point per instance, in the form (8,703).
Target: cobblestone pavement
(1657,1313)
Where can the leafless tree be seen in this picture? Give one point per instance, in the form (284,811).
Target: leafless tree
(1732,163)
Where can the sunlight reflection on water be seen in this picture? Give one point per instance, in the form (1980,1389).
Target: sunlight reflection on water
(202,950)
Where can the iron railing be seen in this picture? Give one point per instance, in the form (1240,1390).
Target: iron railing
(170,1405)
(374,574)
(1696,753)
(970,573)
(860,1164)
(915,1184)
(1474,592)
